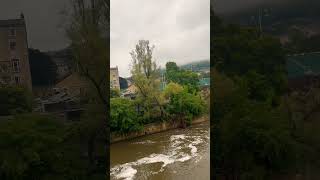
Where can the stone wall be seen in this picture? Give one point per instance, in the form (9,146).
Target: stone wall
(154,128)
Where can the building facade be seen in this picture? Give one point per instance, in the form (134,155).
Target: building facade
(114,78)
(63,61)
(14,60)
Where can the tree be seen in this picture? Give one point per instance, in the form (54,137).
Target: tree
(88,33)
(253,140)
(114,93)
(239,50)
(124,117)
(146,77)
(183,77)
(37,147)
(182,104)
(171,66)
(89,44)
(253,136)
(172,89)
(43,69)
(14,100)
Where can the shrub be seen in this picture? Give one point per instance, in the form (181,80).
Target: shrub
(14,100)
(124,117)
(185,105)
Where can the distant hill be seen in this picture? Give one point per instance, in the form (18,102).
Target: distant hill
(203,65)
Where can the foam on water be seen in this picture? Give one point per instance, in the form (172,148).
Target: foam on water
(174,154)
(126,172)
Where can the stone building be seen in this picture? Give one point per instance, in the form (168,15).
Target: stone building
(63,61)
(14,61)
(114,78)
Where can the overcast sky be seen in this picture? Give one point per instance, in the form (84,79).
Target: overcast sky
(179,29)
(43,18)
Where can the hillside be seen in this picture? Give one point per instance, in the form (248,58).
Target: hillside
(203,65)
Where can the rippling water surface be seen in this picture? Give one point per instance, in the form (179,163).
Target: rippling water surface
(179,154)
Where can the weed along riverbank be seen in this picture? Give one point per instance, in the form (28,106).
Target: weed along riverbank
(157,127)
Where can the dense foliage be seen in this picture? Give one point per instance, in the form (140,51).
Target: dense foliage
(114,93)
(124,117)
(179,100)
(300,42)
(181,76)
(182,104)
(241,50)
(14,100)
(146,77)
(253,136)
(38,147)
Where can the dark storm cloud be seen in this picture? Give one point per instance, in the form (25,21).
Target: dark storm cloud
(43,18)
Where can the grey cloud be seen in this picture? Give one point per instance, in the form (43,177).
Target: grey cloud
(180,30)
(43,18)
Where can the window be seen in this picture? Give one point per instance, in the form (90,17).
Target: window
(12,45)
(17,79)
(15,65)
(12,32)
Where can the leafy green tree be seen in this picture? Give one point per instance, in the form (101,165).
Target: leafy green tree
(87,29)
(183,77)
(146,77)
(14,100)
(37,147)
(171,67)
(258,87)
(114,93)
(253,139)
(89,44)
(182,104)
(238,51)
(172,89)
(124,116)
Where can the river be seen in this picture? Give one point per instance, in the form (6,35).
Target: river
(179,154)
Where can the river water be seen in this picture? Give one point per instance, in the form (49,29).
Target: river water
(179,154)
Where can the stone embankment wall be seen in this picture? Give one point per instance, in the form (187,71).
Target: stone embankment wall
(154,128)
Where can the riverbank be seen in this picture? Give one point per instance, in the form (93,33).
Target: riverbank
(155,128)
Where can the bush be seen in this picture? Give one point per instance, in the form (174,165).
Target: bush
(34,147)
(14,100)
(114,93)
(185,105)
(252,139)
(124,117)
